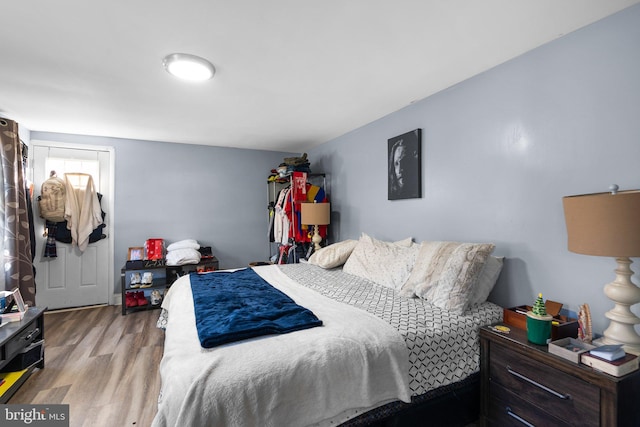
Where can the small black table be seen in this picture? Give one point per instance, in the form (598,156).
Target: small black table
(21,350)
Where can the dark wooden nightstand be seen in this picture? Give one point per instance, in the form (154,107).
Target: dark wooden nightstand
(523,384)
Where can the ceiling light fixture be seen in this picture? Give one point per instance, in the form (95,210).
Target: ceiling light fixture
(188,67)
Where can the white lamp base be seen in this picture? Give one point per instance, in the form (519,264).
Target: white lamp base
(316,239)
(624,293)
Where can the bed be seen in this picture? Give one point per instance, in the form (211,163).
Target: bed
(382,350)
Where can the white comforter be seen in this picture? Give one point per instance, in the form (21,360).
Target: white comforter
(318,376)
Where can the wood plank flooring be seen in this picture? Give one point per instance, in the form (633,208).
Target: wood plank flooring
(104,365)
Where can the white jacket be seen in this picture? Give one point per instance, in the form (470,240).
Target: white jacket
(82,208)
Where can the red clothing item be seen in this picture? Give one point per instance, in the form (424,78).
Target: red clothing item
(312,193)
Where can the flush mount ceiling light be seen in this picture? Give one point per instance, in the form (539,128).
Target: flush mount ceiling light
(188,67)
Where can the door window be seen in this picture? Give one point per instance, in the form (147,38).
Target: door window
(62,166)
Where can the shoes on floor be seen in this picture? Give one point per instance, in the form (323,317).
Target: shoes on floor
(135,280)
(140,299)
(156,297)
(147,280)
(131,300)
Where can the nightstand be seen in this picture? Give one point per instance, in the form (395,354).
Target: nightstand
(522,384)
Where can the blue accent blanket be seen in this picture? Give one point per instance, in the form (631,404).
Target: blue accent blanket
(233,306)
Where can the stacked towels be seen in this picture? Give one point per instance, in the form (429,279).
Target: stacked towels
(183,252)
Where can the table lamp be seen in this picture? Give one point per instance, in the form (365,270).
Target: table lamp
(315,214)
(608,224)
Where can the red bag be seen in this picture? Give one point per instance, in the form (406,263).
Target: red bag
(154,249)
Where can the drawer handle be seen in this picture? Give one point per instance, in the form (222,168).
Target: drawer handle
(31,334)
(517,417)
(537,384)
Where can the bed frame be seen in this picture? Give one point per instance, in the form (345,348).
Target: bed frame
(454,405)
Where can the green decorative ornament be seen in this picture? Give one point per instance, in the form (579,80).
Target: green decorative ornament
(539,308)
(538,323)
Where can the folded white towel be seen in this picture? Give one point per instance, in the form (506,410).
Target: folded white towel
(184,244)
(183,256)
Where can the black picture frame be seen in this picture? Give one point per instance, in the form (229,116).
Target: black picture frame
(404,172)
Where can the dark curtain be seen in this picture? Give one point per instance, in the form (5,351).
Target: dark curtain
(17,227)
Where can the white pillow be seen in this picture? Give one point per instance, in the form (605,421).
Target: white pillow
(445,272)
(385,263)
(333,255)
(184,244)
(487,280)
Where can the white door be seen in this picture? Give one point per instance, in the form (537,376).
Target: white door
(73,278)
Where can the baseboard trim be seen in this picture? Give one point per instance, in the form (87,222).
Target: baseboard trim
(86,307)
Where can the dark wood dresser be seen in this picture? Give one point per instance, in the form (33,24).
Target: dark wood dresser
(522,384)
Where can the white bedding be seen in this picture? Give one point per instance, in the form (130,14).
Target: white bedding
(320,376)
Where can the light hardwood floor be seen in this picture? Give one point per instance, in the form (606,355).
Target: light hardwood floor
(104,365)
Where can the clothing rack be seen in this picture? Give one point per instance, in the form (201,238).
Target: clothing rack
(273,191)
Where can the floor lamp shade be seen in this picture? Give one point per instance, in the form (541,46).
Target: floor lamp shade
(608,224)
(315,214)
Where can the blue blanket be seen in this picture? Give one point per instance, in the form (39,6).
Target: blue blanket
(233,306)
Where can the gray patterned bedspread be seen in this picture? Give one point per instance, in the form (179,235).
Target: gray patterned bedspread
(443,347)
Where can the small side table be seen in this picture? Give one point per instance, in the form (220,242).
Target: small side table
(21,350)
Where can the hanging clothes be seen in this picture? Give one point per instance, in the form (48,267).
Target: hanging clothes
(63,234)
(50,248)
(302,192)
(280,220)
(82,208)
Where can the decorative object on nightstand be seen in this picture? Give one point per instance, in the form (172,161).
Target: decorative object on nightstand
(538,323)
(570,348)
(315,214)
(585,333)
(561,326)
(608,224)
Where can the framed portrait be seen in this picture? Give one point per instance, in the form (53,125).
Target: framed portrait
(136,254)
(10,299)
(404,166)
(19,301)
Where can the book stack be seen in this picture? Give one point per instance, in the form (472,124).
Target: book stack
(611,359)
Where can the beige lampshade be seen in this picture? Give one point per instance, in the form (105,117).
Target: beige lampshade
(604,224)
(315,213)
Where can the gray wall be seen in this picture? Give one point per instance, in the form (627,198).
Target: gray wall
(499,152)
(215,195)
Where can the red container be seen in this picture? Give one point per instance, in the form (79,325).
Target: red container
(154,249)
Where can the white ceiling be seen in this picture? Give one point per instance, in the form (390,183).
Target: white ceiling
(291,74)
